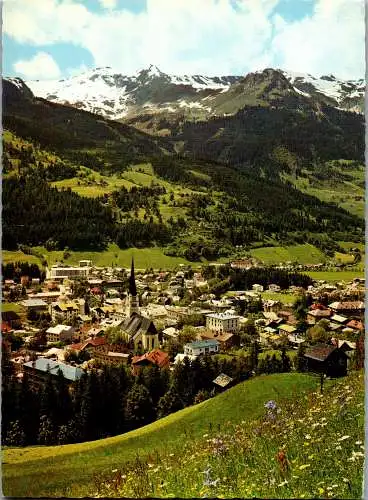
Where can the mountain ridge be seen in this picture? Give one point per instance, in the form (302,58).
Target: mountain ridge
(111,94)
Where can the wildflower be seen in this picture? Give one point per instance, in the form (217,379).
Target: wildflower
(343,438)
(307,436)
(338,447)
(271,405)
(205,435)
(304,466)
(114,470)
(150,466)
(358,442)
(284,483)
(282,460)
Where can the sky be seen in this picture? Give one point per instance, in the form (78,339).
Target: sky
(56,39)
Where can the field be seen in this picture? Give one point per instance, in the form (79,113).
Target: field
(144,258)
(335,275)
(347,194)
(68,470)
(18,256)
(11,306)
(303,254)
(285,298)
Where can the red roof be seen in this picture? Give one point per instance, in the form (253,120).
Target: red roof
(5,327)
(156,357)
(319,306)
(356,324)
(89,342)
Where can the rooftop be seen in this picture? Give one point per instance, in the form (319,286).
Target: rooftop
(71,373)
(201,344)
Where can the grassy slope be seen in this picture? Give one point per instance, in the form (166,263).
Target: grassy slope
(346,194)
(311,447)
(304,254)
(335,275)
(67,470)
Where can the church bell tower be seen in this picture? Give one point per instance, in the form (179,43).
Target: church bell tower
(132,299)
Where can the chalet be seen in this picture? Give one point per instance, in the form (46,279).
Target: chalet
(338,318)
(286,329)
(226,340)
(66,310)
(315,315)
(91,345)
(257,288)
(38,370)
(243,264)
(355,324)
(179,358)
(11,318)
(348,308)
(222,381)
(36,305)
(271,305)
(60,333)
(46,296)
(201,347)
(140,332)
(155,357)
(327,359)
(170,333)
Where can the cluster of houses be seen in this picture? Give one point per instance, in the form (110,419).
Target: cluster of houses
(148,317)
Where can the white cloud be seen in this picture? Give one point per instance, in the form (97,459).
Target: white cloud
(41,66)
(207,36)
(331,40)
(108,4)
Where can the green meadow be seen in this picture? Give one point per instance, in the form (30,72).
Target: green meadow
(69,470)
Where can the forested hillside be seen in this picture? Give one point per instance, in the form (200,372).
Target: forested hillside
(72,179)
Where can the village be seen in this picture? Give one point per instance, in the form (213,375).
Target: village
(82,317)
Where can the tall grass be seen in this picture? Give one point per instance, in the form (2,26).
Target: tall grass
(310,447)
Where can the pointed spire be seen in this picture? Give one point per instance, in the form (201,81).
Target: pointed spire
(132,285)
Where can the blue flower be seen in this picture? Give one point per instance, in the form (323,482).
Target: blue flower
(271,405)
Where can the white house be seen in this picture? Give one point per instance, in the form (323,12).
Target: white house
(222,322)
(257,288)
(201,347)
(59,333)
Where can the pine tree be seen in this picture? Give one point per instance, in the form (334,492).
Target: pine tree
(138,407)
(63,399)
(254,352)
(301,362)
(169,403)
(15,435)
(46,433)
(285,360)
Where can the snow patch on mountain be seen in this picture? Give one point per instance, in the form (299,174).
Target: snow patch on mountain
(109,93)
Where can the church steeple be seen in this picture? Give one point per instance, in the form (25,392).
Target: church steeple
(132,285)
(132,304)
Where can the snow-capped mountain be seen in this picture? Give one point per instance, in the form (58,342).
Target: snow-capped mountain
(113,95)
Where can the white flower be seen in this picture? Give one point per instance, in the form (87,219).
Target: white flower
(338,447)
(114,470)
(343,438)
(358,442)
(307,436)
(283,483)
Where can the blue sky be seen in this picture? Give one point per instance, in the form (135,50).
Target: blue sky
(53,39)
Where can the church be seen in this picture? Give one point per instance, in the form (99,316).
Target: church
(138,331)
